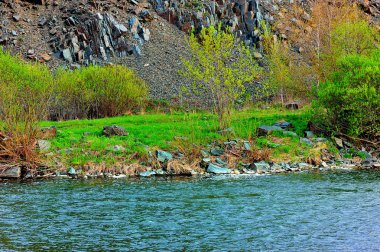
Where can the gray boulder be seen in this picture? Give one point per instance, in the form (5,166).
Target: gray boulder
(260,166)
(72,171)
(147,173)
(309,134)
(10,172)
(205,154)
(320,140)
(247,145)
(267,130)
(217,169)
(114,131)
(163,156)
(303,165)
(338,142)
(66,54)
(217,151)
(306,141)
(284,125)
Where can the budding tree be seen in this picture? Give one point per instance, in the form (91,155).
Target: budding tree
(221,67)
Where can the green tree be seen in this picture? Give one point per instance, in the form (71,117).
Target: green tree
(220,67)
(350,100)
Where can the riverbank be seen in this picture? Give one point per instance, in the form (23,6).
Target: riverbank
(260,141)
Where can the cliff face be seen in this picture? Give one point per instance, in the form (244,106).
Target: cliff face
(146,35)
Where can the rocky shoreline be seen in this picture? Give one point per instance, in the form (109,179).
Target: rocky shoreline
(228,158)
(261,168)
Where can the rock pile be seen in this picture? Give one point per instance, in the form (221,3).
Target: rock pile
(243,16)
(100,36)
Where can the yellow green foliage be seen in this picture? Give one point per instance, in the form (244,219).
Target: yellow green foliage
(95,92)
(219,67)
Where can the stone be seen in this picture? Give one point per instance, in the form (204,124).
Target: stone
(163,156)
(217,169)
(230,143)
(276,167)
(306,141)
(119,176)
(220,161)
(146,34)
(42,21)
(289,133)
(320,140)
(267,130)
(71,171)
(260,166)
(324,164)
(205,162)
(160,172)
(136,50)
(16,18)
(10,172)
(44,145)
(217,151)
(309,134)
(205,154)
(146,16)
(303,165)
(30,52)
(247,145)
(338,142)
(285,166)
(103,53)
(147,173)
(45,57)
(284,125)
(66,54)
(257,55)
(134,25)
(114,131)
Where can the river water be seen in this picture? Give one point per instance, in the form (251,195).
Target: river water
(298,212)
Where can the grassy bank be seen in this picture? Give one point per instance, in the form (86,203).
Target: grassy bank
(80,142)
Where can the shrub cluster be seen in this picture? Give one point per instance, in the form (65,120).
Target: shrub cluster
(350,101)
(96,92)
(25,91)
(93,92)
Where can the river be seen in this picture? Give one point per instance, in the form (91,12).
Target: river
(338,211)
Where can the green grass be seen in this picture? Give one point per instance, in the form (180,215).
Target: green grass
(79,142)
